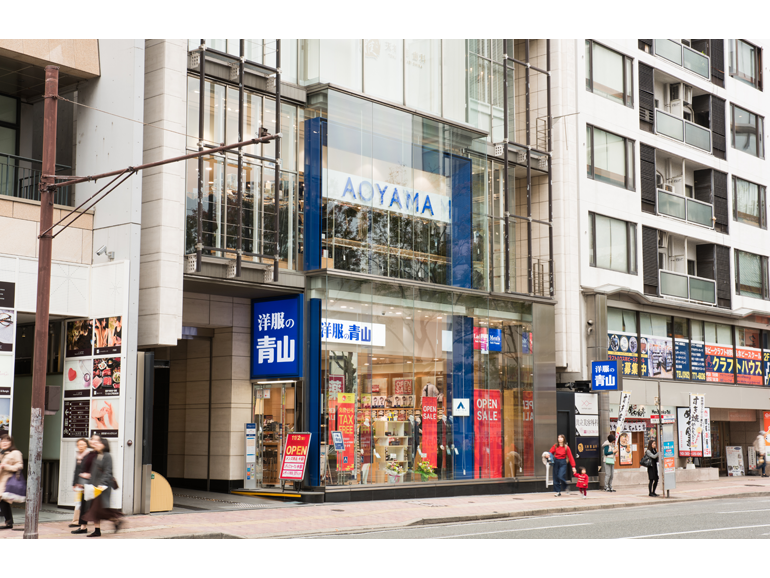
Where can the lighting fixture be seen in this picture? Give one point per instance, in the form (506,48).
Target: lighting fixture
(271,382)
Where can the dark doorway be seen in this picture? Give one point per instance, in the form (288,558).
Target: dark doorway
(160,420)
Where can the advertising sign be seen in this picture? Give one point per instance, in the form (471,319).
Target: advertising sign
(339,441)
(295,456)
(697,361)
(346,423)
(766,416)
(659,357)
(586,404)
(461,407)
(587,425)
(76,418)
(719,363)
(623,348)
(625,448)
(429,440)
(669,459)
(250,481)
(495,339)
(706,432)
(587,447)
(488,447)
(481,340)
(336,385)
(108,335)
(748,365)
(528,433)
(682,355)
(402,386)
(353,332)
(683,431)
(625,401)
(734,461)
(766,356)
(604,375)
(79,338)
(697,404)
(276,325)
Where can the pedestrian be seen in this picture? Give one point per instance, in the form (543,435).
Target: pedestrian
(759,447)
(11,462)
(652,469)
(561,453)
(610,453)
(103,483)
(582,482)
(83,449)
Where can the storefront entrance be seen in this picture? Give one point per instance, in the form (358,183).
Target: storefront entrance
(273,408)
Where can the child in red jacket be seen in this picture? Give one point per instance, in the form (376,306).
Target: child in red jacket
(582,482)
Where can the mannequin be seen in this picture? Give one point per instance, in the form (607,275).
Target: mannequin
(444,432)
(430,390)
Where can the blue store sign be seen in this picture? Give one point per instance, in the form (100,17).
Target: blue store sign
(604,375)
(276,337)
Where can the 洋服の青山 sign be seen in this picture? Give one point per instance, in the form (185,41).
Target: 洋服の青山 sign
(276,343)
(388,197)
(353,332)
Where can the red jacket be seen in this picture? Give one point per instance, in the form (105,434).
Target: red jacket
(563,453)
(582,480)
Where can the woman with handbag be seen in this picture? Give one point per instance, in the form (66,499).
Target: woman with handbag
(102,483)
(82,466)
(650,461)
(610,454)
(12,484)
(561,453)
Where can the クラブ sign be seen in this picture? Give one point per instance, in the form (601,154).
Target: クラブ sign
(276,348)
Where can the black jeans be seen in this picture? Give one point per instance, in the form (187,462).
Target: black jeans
(653,485)
(5,510)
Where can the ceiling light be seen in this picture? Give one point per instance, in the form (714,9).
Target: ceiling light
(398,313)
(343,306)
(439,317)
(392,307)
(408,317)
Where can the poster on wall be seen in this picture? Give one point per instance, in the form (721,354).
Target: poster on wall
(5,416)
(748,365)
(429,441)
(105,378)
(625,448)
(659,358)
(683,431)
(108,335)
(734,461)
(623,347)
(8,322)
(105,417)
(695,425)
(697,361)
(77,378)
(682,355)
(403,386)
(346,423)
(719,363)
(7,330)
(481,340)
(586,425)
(488,446)
(528,432)
(79,338)
(587,447)
(76,418)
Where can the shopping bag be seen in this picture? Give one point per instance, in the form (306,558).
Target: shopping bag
(88,492)
(15,489)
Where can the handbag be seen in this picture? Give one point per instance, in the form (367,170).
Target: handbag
(114,484)
(15,488)
(646,461)
(609,455)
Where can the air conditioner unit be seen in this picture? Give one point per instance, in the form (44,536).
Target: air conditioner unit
(669,188)
(659,180)
(662,240)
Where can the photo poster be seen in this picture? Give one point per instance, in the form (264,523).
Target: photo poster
(346,423)
(107,335)
(623,347)
(488,442)
(429,439)
(719,363)
(697,361)
(766,426)
(659,359)
(625,448)
(697,404)
(734,461)
(748,365)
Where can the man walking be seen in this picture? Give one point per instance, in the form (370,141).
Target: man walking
(759,447)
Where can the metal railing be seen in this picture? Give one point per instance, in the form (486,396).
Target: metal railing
(684,56)
(687,287)
(682,130)
(684,208)
(20,178)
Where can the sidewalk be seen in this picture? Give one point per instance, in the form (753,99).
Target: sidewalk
(330,518)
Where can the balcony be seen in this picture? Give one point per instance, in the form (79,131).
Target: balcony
(686,209)
(687,287)
(684,56)
(682,130)
(19,179)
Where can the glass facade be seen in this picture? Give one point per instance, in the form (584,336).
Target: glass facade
(395,357)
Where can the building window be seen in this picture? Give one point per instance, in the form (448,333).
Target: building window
(750,275)
(610,158)
(747,132)
(613,244)
(9,124)
(746,63)
(609,74)
(749,203)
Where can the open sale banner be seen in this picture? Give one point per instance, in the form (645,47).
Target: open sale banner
(429,440)
(488,447)
(295,456)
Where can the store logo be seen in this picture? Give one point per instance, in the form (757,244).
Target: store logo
(461,407)
(276,333)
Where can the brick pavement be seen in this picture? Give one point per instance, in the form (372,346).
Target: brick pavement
(335,517)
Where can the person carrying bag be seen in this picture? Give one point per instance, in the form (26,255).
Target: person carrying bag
(13,486)
(609,453)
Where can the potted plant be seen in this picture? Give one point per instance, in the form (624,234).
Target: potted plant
(425,470)
(395,472)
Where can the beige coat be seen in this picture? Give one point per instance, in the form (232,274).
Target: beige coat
(12,462)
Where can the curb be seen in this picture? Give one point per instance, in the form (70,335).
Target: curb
(203,536)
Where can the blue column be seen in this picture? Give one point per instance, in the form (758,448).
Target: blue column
(462,387)
(313,399)
(314,138)
(462,222)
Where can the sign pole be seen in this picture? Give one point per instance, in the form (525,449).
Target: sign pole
(659,442)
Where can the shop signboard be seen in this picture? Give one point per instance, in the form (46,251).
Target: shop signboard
(682,355)
(495,339)
(719,363)
(295,456)
(586,425)
(697,361)
(629,426)
(587,447)
(352,332)
(766,417)
(748,365)
(683,431)
(734,461)
(336,384)
(488,460)
(706,432)
(346,423)
(669,459)
(481,340)
(429,440)
(623,348)
(766,357)
(659,359)
(586,404)
(697,404)
(604,375)
(625,401)
(276,341)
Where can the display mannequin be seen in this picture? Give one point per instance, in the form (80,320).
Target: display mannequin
(430,390)
(444,430)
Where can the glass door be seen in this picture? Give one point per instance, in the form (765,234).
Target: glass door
(273,408)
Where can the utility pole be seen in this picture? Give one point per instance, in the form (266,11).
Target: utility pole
(40,362)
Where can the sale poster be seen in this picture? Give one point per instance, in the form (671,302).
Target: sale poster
(719,363)
(402,386)
(429,441)
(346,423)
(623,348)
(295,456)
(748,365)
(332,425)
(488,459)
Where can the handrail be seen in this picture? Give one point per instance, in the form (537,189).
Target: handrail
(30,160)
(683,47)
(689,290)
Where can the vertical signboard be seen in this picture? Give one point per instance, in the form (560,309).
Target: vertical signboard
(706,432)
(669,460)
(295,457)
(250,481)
(735,461)
(528,433)
(7,346)
(625,402)
(276,348)
(346,423)
(697,404)
(683,431)
(697,361)
(429,441)
(488,444)
(682,355)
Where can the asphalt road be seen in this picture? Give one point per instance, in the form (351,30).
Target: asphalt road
(728,518)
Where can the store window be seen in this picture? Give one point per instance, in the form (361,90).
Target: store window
(622,340)
(747,132)
(746,63)
(613,244)
(720,355)
(610,158)
(656,353)
(609,74)
(750,275)
(682,348)
(749,203)
(394,358)
(697,351)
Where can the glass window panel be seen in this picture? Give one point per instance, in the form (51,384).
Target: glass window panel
(668,125)
(724,334)
(454,79)
(384,69)
(743,62)
(289,61)
(629,82)
(309,61)
(680,328)
(253,50)
(341,63)
(747,202)
(697,136)
(750,273)
(7,141)
(8,109)
(609,158)
(745,129)
(747,337)
(669,50)
(697,330)
(611,244)
(423,75)
(655,325)
(607,73)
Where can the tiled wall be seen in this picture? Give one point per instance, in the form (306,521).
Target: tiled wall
(79,57)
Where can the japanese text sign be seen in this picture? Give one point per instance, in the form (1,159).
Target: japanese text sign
(276,348)
(295,456)
(604,375)
(353,332)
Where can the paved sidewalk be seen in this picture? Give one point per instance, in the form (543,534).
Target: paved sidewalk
(330,518)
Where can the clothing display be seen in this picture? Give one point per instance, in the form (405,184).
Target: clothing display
(430,390)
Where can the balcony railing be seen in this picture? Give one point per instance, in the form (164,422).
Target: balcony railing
(688,287)
(682,130)
(684,208)
(684,56)
(18,179)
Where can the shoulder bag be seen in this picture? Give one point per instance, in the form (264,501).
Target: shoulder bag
(609,455)
(646,461)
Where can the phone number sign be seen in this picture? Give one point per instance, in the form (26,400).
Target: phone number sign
(295,456)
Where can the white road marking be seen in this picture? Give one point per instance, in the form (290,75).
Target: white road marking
(694,532)
(511,530)
(742,511)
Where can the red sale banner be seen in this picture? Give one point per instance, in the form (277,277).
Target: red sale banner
(295,456)
(528,433)
(429,441)
(488,458)
(346,423)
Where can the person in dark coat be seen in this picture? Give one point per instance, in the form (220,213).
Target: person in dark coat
(101,479)
(83,449)
(652,471)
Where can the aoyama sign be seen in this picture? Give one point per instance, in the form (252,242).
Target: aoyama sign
(276,342)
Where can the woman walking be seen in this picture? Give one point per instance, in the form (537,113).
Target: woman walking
(81,466)
(11,462)
(103,482)
(652,470)
(610,454)
(561,453)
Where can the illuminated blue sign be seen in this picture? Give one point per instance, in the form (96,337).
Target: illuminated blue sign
(276,337)
(495,340)
(604,375)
